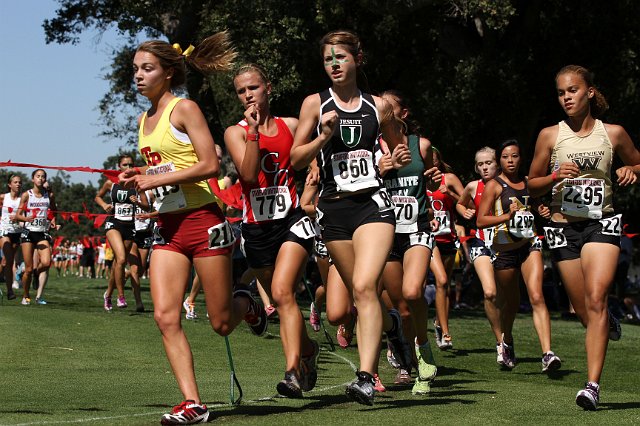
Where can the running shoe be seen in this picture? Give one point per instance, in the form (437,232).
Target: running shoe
(446,342)
(589,397)
(26,301)
(122,302)
(378,386)
(107,302)
(11,294)
(508,356)
(290,385)
(426,369)
(314,318)
(140,308)
(499,358)
(438,332)
(615,330)
(256,316)
(40,301)
(362,388)
(550,362)
(391,359)
(309,368)
(190,310)
(421,387)
(187,413)
(270,310)
(403,377)
(399,346)
(344,334)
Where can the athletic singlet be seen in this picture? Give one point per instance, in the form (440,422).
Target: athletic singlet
(274,195)
(38,207)
(9,207)
(407,188)
(123,207)
(521,225)
(166,150)
(444,209)
(484,234)
(589,195)
(346,161)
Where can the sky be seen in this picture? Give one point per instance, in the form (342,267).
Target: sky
(48,108)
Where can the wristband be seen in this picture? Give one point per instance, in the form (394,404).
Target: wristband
(554,176)
(254,137)
(137,170)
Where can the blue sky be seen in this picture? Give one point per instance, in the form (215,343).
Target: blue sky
(48,107)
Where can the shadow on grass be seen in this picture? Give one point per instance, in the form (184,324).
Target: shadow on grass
(450,371)
(91,409)
(554,375)
(467,352)
(25,412)
(619,406)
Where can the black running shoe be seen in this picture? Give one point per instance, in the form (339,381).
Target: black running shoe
(187,413)
(290,385)
(362,389)
(256,316)
(309,368)
(588,397)
(615,330)
(397,343)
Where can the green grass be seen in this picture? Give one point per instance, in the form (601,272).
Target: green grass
(70,361)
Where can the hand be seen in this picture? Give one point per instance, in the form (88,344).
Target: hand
(544,211)
(328,124)
(401,156)
(435,225)
(469,214)
(385,164)
(626,176)
(568,170)
(434,174)
(124,178)
(513,208)
(108,207)
(133,199)
(313,177)
(252,116)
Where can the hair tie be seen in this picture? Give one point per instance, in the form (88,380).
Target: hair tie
(186,53)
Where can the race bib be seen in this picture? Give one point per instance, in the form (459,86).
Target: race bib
(304,228)
(521,224)
(612,225)
(406,210)
(487,236)
(354,170)
(426,239)
(382,199)
(123,212)
(444,219)
(221,236)
(555,237)
(39,224)
(583,198)
(141,224)
(169,197)
(270,203)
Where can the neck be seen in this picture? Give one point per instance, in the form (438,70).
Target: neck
(511,177)
(160,101)
(345,93)
(581,123)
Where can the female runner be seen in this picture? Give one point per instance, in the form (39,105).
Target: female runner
(413,243)
(10,229)
(443,202)
(37,210)
(277,236)
(120,233)
(506,205)
(339,126)
(480,252)
(175,141)
(573,160)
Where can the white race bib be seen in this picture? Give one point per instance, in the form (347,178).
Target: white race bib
(304,228)
(123,212)
(426,239)
(555,237)
(406,209)
(270,203)
(39,224)
(221,236)
(487,236)
(521,224)
(612,225)
(382,199)
(583,198)
(444,219)
(169,197)
(354,170)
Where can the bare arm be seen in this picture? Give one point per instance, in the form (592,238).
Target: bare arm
(464,207)
(304,150)
(628,153)
(454,186)
(485,217)
(22,215)
(107,207)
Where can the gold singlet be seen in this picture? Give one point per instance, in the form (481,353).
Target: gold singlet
(166,149)
(589,196)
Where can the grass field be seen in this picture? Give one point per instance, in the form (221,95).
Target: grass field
(71,362)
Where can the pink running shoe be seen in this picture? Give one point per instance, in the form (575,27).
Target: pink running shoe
(345,332)
(107,302)
(122,303)
(379,387)
(314,318)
